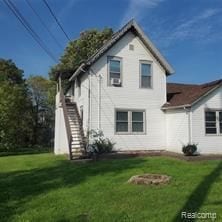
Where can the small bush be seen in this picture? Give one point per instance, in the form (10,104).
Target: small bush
(104,145)
(99,143)
(189,149)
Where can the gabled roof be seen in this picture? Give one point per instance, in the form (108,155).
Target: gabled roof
(133,26)
(186,95)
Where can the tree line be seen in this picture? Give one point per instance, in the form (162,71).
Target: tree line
(27,106)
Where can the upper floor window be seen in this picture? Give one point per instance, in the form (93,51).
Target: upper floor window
(114,71)
(145,74)
(213,122)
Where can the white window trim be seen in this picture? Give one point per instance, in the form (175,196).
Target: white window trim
(217,122)
(140,73)
(130,111)
(109,58)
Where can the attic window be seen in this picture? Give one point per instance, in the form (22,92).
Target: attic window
(131,47)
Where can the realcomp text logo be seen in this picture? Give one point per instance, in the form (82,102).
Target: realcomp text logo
(196,215)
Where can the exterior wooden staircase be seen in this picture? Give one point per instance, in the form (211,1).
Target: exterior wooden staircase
(77,140)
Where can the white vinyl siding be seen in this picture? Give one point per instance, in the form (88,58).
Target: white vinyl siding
(130,121)
(145,74)
(207,143)
(177,129)
(107,99)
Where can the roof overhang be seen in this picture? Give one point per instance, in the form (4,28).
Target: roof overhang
(176,107)
(194,102)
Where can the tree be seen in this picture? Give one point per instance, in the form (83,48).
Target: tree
(15,107)
(80,50)
(42,93)
(10,73)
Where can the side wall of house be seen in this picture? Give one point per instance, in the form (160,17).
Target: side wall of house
(206,143)
(61,142)
(177,128)
(81,98)
(106,99)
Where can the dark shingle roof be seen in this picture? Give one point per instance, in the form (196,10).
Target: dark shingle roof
(187,94)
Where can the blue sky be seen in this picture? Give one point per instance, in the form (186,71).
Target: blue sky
(187,32)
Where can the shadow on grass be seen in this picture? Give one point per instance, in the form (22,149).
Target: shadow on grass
(197,197)
(18,188)
(27,151)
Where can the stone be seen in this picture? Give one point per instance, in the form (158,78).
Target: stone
(148,179)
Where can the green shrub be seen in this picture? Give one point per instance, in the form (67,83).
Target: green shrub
(189,149)
(99,143)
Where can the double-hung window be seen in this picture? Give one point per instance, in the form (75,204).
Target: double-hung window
(213,122)
(130,122)
(114,69)
(145,74)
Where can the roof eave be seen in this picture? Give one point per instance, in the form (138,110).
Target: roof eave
(169,69)
(206,94)
(176,107)
(77,72)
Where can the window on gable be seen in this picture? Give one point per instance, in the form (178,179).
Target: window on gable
(145,74)
(130,122)
(213,122)
(114,71)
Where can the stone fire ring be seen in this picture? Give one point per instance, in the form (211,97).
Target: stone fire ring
(149,179)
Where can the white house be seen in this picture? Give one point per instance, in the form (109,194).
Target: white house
(122,90)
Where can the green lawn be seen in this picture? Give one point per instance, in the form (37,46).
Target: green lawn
(44,187)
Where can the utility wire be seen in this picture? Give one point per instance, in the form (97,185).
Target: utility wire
(57,21)
(28,27)
(43,23)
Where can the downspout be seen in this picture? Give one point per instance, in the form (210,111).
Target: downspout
(89,104)
(190,126)
(99,102)
(189,111)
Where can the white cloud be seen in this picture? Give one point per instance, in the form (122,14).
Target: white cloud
(137,9)
(192,26)
(198,27)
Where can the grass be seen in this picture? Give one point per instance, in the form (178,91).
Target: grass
(44,187)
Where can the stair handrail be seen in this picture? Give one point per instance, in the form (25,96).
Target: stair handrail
(67,124)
